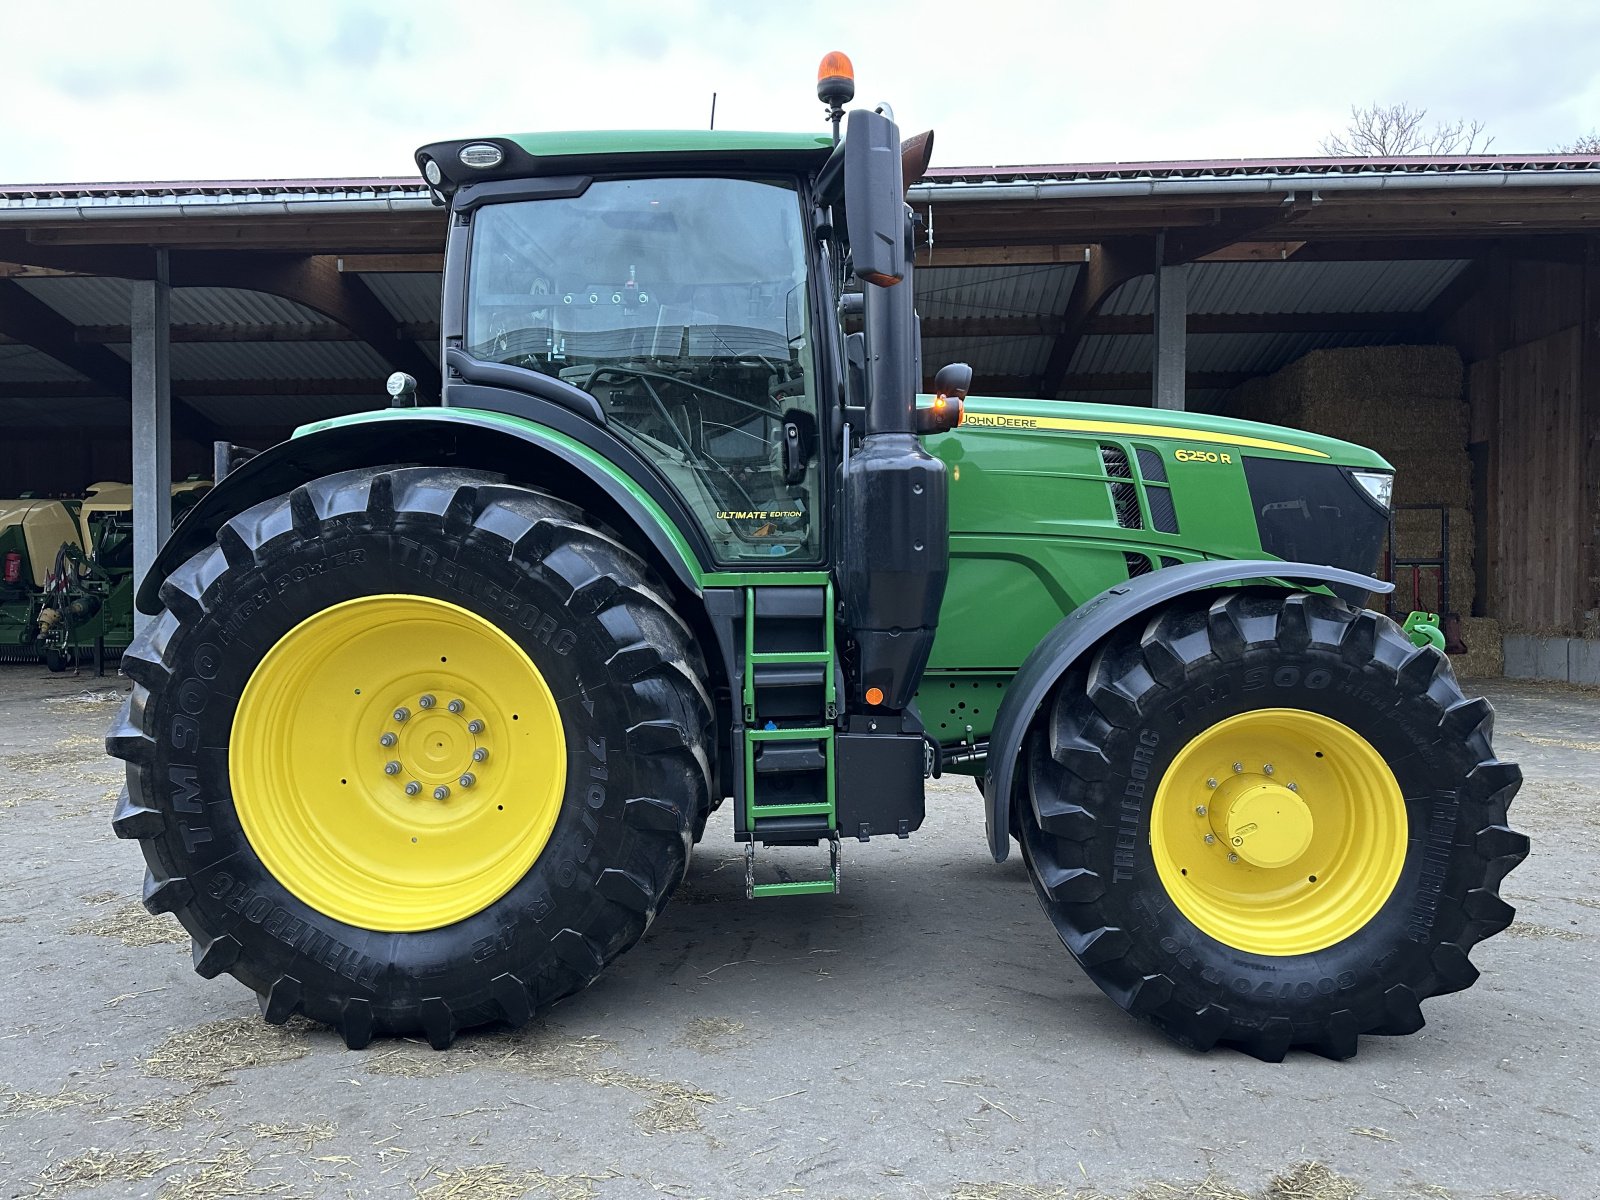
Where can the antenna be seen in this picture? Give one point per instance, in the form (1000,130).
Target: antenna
(713,110)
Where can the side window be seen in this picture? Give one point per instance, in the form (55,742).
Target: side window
(681,305)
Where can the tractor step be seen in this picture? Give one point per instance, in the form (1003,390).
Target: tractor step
(787,886)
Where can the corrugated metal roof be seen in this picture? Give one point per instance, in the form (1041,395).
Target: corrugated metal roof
(410,297)
(80,413)
(193,361)
(1298,287)
(282,410)
(24,364)
(1196,398)
(1257,168)
(211,194)
(1253,353)
(989,356)
(994,291)
(94,300)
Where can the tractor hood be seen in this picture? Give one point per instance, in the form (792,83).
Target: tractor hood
(1201,431)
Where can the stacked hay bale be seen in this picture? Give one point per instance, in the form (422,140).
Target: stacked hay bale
(1408,404)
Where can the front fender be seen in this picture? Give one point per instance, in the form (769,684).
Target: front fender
(1083,628)
(526,451)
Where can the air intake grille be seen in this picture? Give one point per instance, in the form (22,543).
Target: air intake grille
(1138,564)
(1124,493)
(1162,513)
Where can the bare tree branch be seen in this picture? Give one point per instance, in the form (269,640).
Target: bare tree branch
(1394,130)
(1587,144)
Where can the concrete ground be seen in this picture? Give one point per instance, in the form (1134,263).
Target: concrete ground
(922,1034)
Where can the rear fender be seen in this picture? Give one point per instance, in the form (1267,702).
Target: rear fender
(1081,630)
(527,452)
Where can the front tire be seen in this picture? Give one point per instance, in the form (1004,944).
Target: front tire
(1269,820)
(412,751)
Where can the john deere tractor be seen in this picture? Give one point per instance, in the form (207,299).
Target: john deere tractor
(435,700)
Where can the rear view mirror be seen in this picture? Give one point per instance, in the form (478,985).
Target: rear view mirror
(864,175)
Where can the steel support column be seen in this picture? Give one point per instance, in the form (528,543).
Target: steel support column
(151,329)
(1171,329)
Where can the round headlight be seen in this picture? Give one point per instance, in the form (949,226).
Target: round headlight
(480,156)
(431,172)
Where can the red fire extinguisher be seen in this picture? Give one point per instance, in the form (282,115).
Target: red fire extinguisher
(13,568)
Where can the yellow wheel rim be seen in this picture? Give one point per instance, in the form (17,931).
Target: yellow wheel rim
(397,762)
(1279,831)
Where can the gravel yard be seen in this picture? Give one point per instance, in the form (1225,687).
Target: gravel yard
(922,1034)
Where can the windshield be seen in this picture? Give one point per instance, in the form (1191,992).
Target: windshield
(680,304)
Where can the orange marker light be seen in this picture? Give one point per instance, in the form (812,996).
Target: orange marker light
(874,694)
(836,79)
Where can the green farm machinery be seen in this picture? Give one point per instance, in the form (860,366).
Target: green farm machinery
(33,534)
(435,701)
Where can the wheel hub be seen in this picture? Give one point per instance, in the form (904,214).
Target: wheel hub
(437,746)
(1263,822)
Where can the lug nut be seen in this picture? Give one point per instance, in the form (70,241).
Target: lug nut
(388,739)
(391,767)
(455,706)
(442,792)
(400,714)
(426,702)
(480,754)
(1232,857)
(1199,810)
(1210,837)
(1294,787)
(467,780)
(1267,770)
(413,788)
(474,726)
(1238,768)
(1211,783)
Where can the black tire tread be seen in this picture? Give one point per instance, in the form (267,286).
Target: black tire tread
(653,646)
(1127,674)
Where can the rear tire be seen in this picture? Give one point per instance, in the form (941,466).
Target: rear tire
(621,668)
(1207,961)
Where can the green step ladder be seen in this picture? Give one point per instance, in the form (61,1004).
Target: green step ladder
(783,668)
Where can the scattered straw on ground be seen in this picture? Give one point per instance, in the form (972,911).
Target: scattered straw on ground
(537,1052)
(1308,1181)
(230,1173)
(496,1181)
(43,1102)
(83,702)
(305,1135)
(1542,933)
(673,1108)
(1373,1132)
(210,1053)
(103,897)
(132,926)
(165,1114)
(1312,1181)
(81,745)
(94,1167)
(1559,742)
(714,1035)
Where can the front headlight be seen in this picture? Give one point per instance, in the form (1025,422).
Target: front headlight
(1377,484)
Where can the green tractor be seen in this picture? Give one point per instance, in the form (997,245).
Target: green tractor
(435,701)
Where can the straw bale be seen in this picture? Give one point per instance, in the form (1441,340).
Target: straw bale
(1485,656)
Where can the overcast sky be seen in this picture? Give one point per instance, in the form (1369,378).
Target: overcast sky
(215,89)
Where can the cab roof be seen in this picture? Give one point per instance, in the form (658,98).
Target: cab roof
(585,152)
